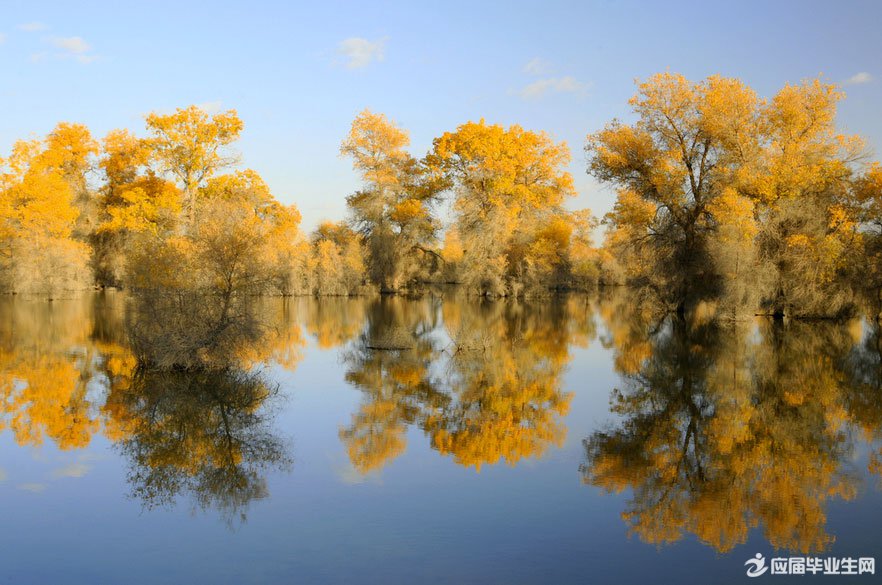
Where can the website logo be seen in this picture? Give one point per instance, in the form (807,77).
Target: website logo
(758,566)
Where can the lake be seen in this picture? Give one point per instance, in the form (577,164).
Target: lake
(438,440)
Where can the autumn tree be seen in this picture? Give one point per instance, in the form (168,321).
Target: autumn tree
(393,210)
(730,199)
(133,202)
(196,294)
(71,150)
(190,146)
(801,189)
(38,216)
(510,188)
(865,273)
(687,146)
(336,261)
(276,228)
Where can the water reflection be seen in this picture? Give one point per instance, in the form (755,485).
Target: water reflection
(716,429)
(482,380)
(862,367)
(204,434)
(724,428)
(69,373)
(46,365)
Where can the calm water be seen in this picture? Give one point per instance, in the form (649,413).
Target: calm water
(437,441)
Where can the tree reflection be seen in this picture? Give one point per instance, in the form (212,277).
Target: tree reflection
(485,387)
(724,429)
(46,365)
(67,372)
(504,379)
(206,434)
(390,362)
(334,321)
(863,400)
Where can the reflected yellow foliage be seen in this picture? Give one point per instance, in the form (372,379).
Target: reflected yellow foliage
(724,430)
(205,434)
(334,321)
(47,363)
(483,384)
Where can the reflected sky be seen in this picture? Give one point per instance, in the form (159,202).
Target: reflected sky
(442,440)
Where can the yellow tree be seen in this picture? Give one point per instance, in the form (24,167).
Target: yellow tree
(688,143)
(71,149)
(866,272)
(393,212)
(800,187)
(132,201)
(189,144)
(508,183)
(37,219)
(336,260)
(283,244)
(196,293)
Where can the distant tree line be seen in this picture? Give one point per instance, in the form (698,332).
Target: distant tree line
(168,212)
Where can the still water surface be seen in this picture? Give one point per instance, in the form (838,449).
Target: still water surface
(437,440)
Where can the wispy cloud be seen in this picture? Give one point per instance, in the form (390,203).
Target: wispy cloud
(75,48)
(537,66)
(2,38)
(2,475)
(34,488)
(859,78)
(542,87)
(75,469)
(32,26)
(71,44)
(359,52)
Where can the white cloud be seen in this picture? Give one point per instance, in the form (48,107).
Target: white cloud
(858,78)
(541,87)
(75,45)
(34,488)
(360,53)
(2,38)
(75,48)
(210,107)
(32,26)
(75,469)
(537,66)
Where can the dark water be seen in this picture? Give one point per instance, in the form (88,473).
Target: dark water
(438,441)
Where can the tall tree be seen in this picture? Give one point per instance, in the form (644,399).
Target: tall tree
(668,167)
(393,211)
(509,184)
(37,220)
(189,144)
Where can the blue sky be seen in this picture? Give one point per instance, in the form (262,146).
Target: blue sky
(299,73)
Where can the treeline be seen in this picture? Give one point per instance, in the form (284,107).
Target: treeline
(732,205)
(728,204)
(167,212)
